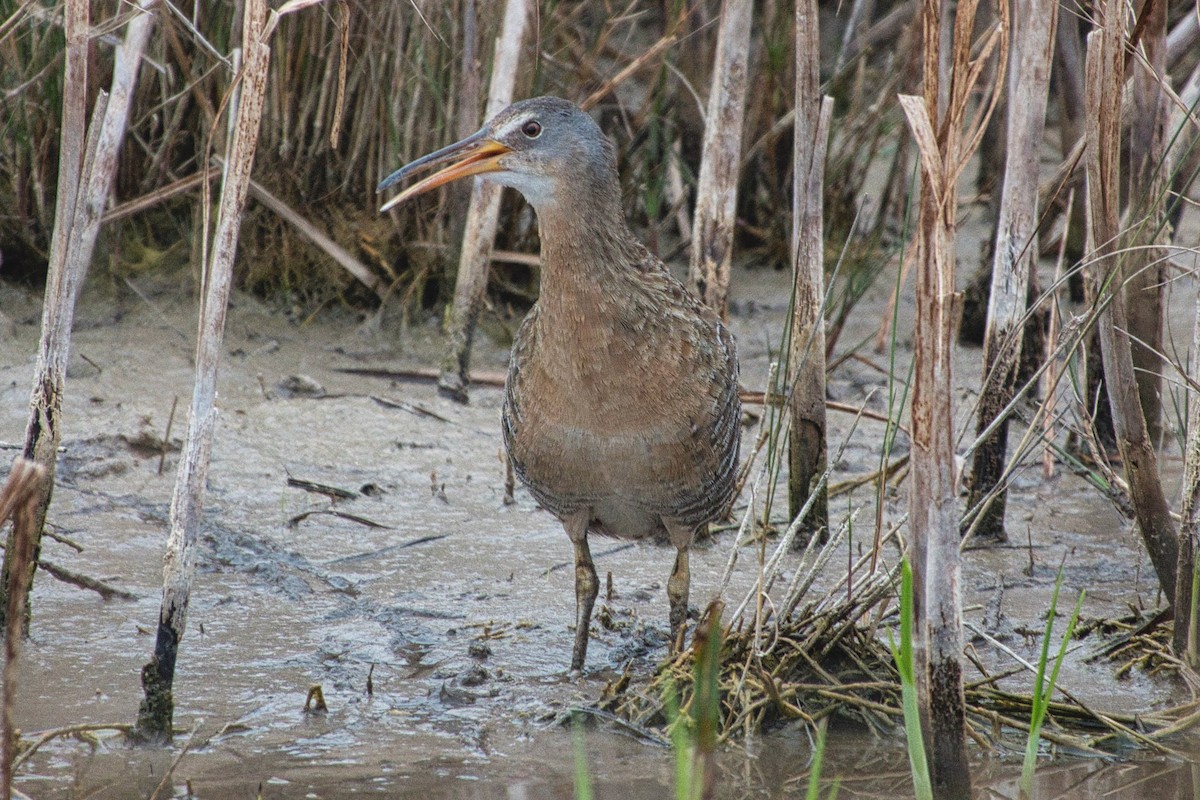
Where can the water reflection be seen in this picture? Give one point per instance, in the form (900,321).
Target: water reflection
(542,768)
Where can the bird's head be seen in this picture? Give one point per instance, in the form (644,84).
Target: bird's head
(544,148)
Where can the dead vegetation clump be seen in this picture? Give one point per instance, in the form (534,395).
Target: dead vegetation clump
(831,660)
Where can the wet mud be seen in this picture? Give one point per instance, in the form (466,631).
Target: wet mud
(357,536)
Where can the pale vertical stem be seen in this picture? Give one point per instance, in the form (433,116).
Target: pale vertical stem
(179,562)
(677,192)
(944,143)
(1187,634)
(1049,380)
(716,186)
(1182,38)
(1104,83)
(1187,626)
(1185,148)
(860,13)
(483,216)
(42,434)
(83,191)
(1015,253)
(1149,177)
(933,512)
(807,448)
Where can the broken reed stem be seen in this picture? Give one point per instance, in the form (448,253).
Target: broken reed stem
(808,450)
(716,186)
(83,193)
(483,217)
(1187,632)
(1146,213)
(1049,381)
(1104,82)
(945,140)
(19,502)
(1015,254)
(157,709)
(42,434)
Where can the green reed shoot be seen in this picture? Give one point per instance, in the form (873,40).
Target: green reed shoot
(903,656)
(1043,689)
(583,778)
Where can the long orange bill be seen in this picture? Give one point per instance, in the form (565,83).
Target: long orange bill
(472,156)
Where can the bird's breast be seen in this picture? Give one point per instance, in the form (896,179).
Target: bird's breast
(614,418)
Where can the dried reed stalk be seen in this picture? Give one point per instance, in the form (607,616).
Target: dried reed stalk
(716,186)
(1187,631)
(84,190)
(1104,83)
(1144,265)
(157,708)
(807,447)
(1015,254)
(19,500)
(945,142)
(483,216)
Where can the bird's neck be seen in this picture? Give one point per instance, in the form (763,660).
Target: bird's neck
(585,253)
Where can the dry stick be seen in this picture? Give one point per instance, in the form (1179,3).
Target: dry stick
(156,711)
(42,433)
(1149,177)
(83,192)
(860,12)
(933,522)
(18,501)
(1105,78)
(655,50)
(716,186)
(1187,629)
(483,216)
(1015,253)
(807,447)
(1050,379)
(151,199)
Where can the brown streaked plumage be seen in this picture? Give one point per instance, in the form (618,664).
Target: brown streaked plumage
(621,409)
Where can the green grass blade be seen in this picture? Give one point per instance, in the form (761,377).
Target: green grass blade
(1043,689)
(818,758)
(583,778)
(922,785)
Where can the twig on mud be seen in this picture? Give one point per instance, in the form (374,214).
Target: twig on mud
(601,554)
(411,408)
(69,730)
(101,588)
(333,512)
(106,591)
(422,375)
(385,550)
(639,732)
(332,492)
(63,539)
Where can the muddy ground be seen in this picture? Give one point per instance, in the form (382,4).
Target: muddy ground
(459,603)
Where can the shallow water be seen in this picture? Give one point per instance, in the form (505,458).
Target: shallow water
(457,605)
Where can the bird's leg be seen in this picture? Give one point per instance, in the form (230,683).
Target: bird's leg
(587,586)
(677,593)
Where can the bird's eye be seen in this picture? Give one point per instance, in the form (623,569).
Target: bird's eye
(532,129)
